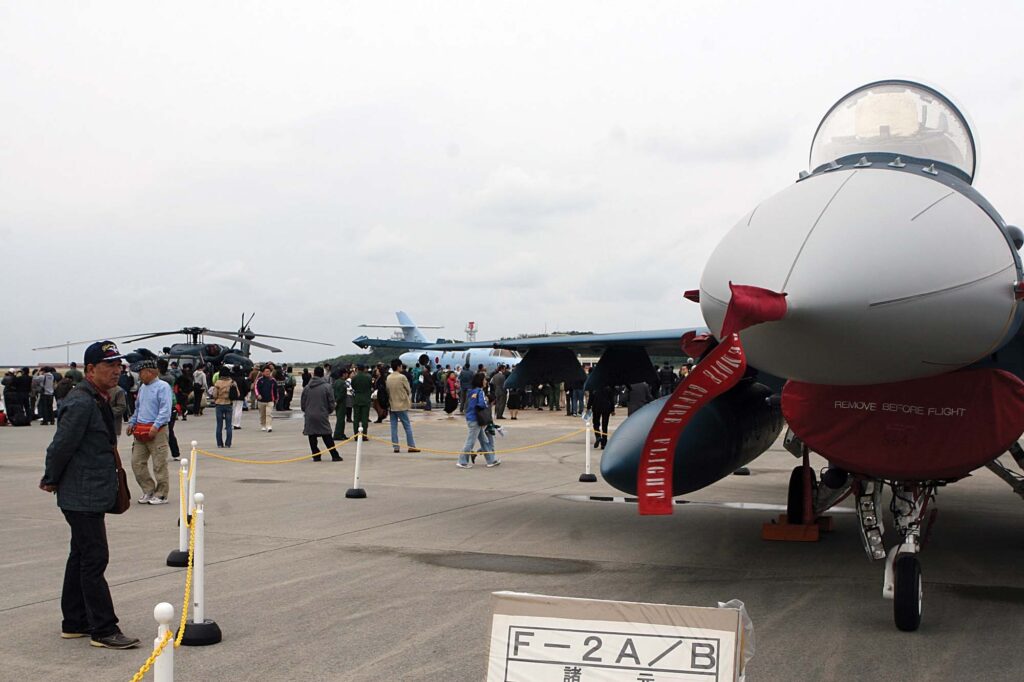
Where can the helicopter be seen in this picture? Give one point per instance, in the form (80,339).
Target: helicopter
(196,350)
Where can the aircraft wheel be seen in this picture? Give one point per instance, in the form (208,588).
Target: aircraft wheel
(908,597)
(795,497)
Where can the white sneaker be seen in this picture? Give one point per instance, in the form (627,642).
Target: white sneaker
(463,466)
(494,463)
(146,498)
(158,500)
(269,429)
(263,428)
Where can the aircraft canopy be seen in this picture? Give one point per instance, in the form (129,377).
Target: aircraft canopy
(898,117)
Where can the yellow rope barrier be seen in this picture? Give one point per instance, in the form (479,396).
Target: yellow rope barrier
(181,496)
(188,580)
(238,460)
(159,649)
(496,452)
(188,592)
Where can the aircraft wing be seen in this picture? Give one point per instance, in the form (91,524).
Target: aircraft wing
(367,342)
(656,342)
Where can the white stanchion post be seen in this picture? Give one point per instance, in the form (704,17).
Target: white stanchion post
(191,492)
(200,631)
(198,566)
(356,492)
(163,666)
(179,557)
(586,476)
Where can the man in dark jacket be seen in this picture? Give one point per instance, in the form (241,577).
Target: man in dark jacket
(266,395)
(317,405)
(500,392)
(637,395)
(601,404)
(465,379)
(80,469)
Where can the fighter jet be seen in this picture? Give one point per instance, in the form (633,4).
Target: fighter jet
(874,307)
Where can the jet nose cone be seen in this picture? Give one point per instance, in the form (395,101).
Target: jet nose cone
(889,276)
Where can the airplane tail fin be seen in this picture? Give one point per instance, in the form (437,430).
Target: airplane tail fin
(409,329)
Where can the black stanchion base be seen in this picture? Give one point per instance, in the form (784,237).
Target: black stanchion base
(355,493)
(201,634)
(588,478)
(177,558)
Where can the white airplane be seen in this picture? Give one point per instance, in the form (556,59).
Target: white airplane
(419,347)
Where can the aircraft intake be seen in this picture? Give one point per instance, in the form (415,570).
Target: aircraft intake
(730,432)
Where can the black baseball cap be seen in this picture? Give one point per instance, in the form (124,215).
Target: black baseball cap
(102,351)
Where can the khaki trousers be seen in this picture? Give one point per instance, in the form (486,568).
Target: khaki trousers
(157,450)
(266,414)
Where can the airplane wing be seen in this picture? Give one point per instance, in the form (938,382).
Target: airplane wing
(656,342)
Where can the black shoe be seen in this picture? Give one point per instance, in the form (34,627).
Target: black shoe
(317,458)
(118,640)
(337,459)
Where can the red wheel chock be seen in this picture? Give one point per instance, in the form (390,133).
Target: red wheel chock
(783,531)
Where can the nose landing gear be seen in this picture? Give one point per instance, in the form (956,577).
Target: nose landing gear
(902,582)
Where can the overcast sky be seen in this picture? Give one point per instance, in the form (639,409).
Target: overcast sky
(526,165)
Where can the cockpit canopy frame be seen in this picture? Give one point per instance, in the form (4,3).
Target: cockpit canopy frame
(899,117)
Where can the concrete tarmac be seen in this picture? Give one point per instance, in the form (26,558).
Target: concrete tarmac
(308,585)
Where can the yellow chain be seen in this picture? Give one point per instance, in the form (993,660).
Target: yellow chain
(159,649)
(496,452)
(188,580)
(277,461)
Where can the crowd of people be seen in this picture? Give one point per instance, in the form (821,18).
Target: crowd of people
(152,394)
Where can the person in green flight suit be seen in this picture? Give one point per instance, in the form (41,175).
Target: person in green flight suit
(340,387)
(362,387)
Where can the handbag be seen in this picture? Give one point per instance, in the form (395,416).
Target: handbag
(124,497)
(483,415)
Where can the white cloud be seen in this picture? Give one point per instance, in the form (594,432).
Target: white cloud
(515,195)
(570,164)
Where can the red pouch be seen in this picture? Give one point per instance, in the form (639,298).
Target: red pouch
(142,432)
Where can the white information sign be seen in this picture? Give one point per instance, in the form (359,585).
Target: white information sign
(535,638)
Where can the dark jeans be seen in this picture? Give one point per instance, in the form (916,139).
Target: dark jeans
(197,400)
(85,601)
(328,443)
(223,414)
(171,440)
(600,424)
(46,408)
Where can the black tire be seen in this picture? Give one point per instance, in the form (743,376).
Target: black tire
(907,597)
(795,496)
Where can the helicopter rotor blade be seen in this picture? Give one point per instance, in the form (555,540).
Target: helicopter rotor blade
(153,336)
(235,337)
(289,338)
(109,338)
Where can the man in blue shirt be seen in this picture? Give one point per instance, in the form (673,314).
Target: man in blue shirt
(148,424)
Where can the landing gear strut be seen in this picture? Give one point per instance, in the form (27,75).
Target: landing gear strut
(902,582)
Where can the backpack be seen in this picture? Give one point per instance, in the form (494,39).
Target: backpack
(233,393)
(64,387)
